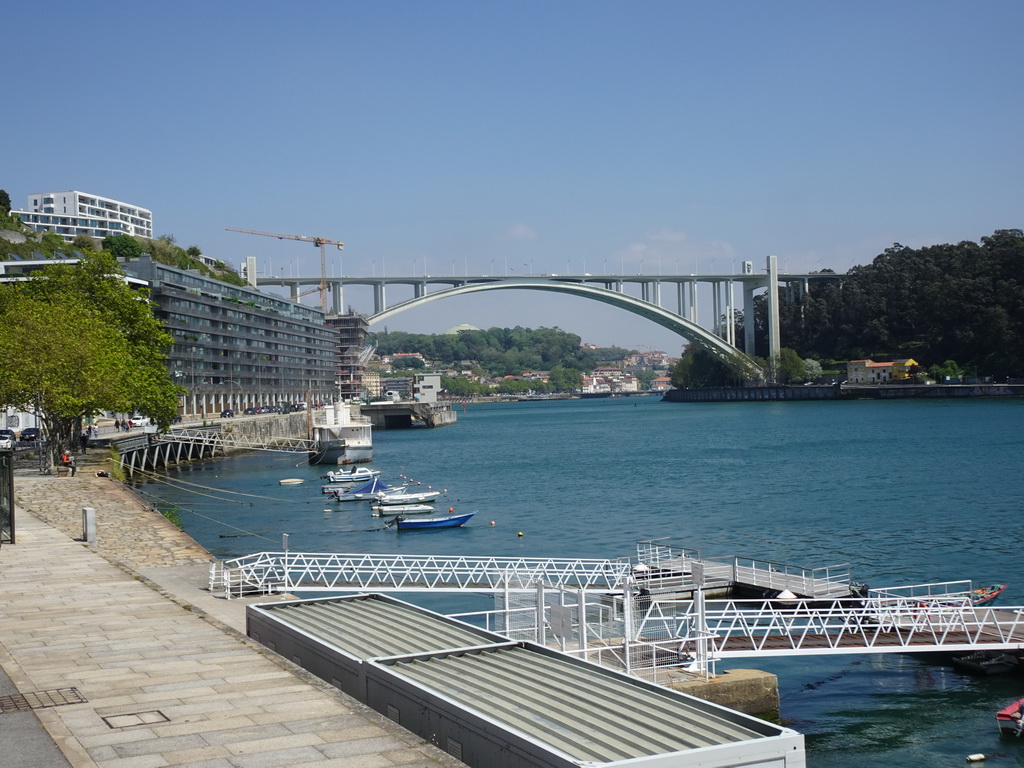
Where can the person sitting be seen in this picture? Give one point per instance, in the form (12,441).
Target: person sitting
(68,461)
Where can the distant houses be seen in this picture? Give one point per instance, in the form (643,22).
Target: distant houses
(871,372)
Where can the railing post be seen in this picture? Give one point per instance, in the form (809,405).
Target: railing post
(627,625)
(541,635)
(89,526)
(702,632)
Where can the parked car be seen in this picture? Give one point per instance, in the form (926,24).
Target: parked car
(30,434)
(6,440)
(227,413)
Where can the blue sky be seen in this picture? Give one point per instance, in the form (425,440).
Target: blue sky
(549,136)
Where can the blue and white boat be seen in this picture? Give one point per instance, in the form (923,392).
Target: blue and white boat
(368,491)
(414,524)
(351,476)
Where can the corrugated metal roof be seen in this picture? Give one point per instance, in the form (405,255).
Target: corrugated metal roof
(574,708)
(368,626)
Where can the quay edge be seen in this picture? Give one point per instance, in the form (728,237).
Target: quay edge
(777,393)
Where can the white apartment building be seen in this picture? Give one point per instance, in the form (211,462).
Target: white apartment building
(74,213)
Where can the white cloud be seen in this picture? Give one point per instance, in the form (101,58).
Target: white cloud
(521,232)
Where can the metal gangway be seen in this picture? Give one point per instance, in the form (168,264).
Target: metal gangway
(665,569)
(217,438)
(666,640)
(303,572)
(658,570)
(914,619)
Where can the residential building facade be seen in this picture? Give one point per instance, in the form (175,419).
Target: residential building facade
(72,213)
(235,347)
(870,372)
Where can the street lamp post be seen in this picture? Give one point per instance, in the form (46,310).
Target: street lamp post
(235,406)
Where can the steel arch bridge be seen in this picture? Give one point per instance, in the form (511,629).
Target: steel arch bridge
(741,363)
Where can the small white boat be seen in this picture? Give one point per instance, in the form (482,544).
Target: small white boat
(382,510)
(292,481)
(368,491)
(357,475)
(406,497)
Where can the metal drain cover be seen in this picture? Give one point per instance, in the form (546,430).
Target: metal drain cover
(136,718)
(26,702)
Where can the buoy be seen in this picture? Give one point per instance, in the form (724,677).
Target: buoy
(451,509)
(520,533)
(977,758)
(492,522)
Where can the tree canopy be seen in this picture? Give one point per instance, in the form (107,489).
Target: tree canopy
(77,339)
(500,351)
(962,302)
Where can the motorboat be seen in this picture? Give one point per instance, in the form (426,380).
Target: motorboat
(1010,718)
(419,523)
(368,491)
(986,594)
(986,662)
(351,476)
(383,510)
(402,496)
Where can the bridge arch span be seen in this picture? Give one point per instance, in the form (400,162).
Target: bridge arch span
(734,358)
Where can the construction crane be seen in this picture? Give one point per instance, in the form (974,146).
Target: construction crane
(318,241)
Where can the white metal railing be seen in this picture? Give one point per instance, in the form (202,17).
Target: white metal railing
(217,438)
(828,581)
(940,589)
(746,628)
(663,566)
(665,639)
(325,572)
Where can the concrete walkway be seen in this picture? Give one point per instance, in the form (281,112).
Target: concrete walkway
(161,670)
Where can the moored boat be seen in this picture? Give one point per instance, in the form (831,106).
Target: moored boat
(345,437)
(355,475)
(985,594)
(368,491)
(382,510)
(391,498)
(986,662)
(1009,718)
(452,521)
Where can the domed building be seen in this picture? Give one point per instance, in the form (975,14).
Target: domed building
(454,330)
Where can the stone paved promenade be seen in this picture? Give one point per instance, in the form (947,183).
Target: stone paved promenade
(168,677)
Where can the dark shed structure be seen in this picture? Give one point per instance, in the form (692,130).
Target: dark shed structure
(495,703)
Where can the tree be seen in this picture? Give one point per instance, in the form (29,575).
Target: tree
(696,369)
(565,379)
(84,243)
(84,341)
(948,370)
(122,246)
(5,202)
(812,370)
(791,369)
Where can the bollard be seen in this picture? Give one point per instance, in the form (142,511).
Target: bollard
(89,526)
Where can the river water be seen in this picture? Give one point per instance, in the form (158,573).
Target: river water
(905,492)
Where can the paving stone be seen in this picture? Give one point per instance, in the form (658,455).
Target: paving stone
(128,623)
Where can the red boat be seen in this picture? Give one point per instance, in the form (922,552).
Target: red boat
(1009,718)
(983,595)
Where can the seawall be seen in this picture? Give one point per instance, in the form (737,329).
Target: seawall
(841,392)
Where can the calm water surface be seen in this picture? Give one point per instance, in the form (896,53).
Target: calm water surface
(906,492)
